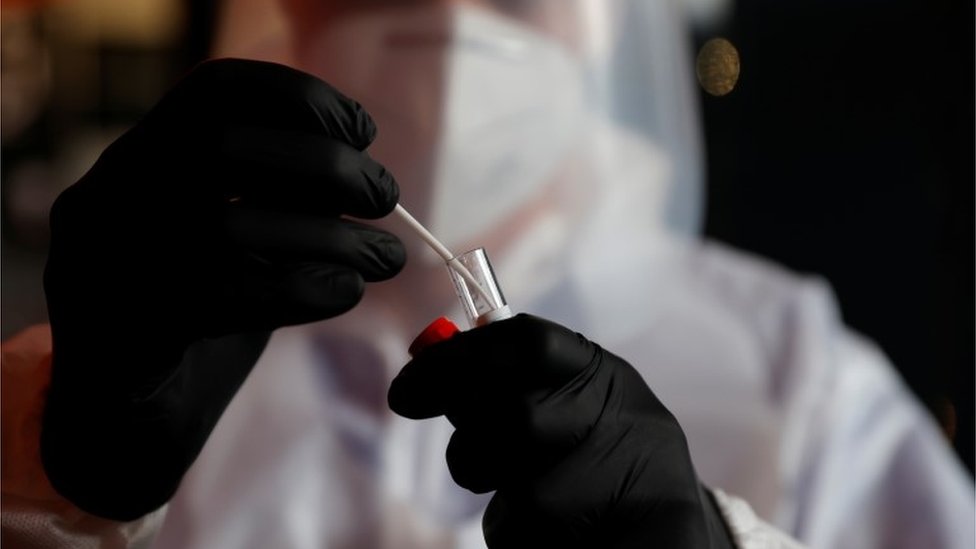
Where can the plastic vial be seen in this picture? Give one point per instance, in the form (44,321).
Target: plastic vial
(486,303)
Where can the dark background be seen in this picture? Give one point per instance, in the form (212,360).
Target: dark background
(847,150)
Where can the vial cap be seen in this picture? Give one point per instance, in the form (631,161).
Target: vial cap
(439,330)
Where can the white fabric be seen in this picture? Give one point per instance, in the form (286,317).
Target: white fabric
(748,530)
(781,404)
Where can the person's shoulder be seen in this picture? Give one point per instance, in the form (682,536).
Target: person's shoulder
(756,285)
(793,318)
(794,315)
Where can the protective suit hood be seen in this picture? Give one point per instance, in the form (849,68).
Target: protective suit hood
(480,109)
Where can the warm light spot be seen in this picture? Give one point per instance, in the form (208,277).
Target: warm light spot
(718,66)
(947,417)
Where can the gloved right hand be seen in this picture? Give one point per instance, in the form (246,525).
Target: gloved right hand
(212,222)
(578,449)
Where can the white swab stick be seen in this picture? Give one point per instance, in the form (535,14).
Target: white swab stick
(424,233)
(443,252)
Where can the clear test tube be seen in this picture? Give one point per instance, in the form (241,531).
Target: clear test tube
(483,304)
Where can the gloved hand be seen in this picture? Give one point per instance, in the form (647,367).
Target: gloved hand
(580,451)
(212,222)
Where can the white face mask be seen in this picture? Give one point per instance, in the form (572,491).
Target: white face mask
(475,112)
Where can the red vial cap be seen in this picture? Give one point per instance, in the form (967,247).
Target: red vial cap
(439,330)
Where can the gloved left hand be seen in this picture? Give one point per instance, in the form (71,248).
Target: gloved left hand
(218,218)
(580,451)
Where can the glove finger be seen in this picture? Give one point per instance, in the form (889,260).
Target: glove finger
(286,297)
(477,461)
(269,95)
(506,441)
(302,172)
(284,238)
(312,292)
(510,357)
(483,460)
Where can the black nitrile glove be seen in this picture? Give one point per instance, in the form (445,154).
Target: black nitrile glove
(580,451)
(212,222)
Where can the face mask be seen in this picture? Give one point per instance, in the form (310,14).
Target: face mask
(475,112)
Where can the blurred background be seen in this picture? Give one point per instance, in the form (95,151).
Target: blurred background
(845,148)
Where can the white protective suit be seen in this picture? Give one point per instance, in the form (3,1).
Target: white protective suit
(578,168)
